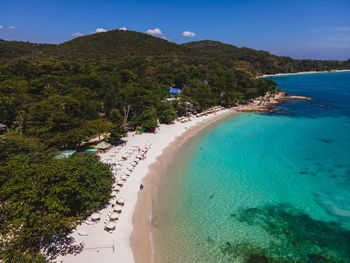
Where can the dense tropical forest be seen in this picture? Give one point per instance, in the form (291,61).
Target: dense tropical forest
(56,97)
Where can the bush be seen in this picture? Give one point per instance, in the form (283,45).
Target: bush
(166,113)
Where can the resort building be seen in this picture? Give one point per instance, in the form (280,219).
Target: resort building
(174,91)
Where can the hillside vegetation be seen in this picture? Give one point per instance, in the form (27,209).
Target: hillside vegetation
(118,45)
(108,82)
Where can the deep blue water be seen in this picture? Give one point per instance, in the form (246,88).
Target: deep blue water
(264,186)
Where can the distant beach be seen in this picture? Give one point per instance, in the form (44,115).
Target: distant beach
(300,73)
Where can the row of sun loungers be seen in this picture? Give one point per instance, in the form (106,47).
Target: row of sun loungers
(204,113)
(135,154)
(121,180)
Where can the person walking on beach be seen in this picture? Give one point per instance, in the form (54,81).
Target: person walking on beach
(141,186)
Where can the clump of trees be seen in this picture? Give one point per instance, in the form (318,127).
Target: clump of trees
(42,197)
(65,103)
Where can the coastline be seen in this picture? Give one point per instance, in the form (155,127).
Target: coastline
(174,224)
(100,245)
(140,238)
(130,241)
(300,73)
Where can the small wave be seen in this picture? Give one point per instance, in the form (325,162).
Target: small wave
(150,234)
(335,204)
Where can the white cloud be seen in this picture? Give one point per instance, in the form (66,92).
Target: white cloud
(334,29)
(328,45)
(12,27)
(1,26)
(100,30)
(77,34)
(155,31)
(188,34)
(122,28)
(342,28)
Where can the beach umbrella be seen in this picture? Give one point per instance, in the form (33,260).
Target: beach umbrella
(95,216)
(139,156)
(117,209)
(134,164)
(114,193)
(124,157)
(130,169)
(120,201)
(113,216)
(121,183)
(136,160)
(110,226)
(127,173)
(117,188)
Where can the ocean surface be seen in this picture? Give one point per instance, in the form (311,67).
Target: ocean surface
(263,187)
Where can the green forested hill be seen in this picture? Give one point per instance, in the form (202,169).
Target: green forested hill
(108,46)
(114,45)
(17,49)
(261,62)
(117,45)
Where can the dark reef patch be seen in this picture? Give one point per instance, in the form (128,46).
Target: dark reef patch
(255,258)
(328,141)
(296,237)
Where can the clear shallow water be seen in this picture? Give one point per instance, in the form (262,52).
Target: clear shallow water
(260,187)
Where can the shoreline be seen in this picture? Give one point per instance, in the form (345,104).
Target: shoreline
(130,241)
(140,238)
(301,73)
(102,246)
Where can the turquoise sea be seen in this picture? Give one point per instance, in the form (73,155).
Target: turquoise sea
(263,187)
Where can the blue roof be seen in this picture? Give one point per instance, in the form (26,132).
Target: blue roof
(175,90)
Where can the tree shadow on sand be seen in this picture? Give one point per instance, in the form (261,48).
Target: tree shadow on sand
(62,245)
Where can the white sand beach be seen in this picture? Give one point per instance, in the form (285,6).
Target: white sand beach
(301,73)
(102,246)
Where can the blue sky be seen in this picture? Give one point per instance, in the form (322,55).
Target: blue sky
(300,29)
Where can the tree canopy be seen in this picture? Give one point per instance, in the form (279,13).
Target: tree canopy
(42,196)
